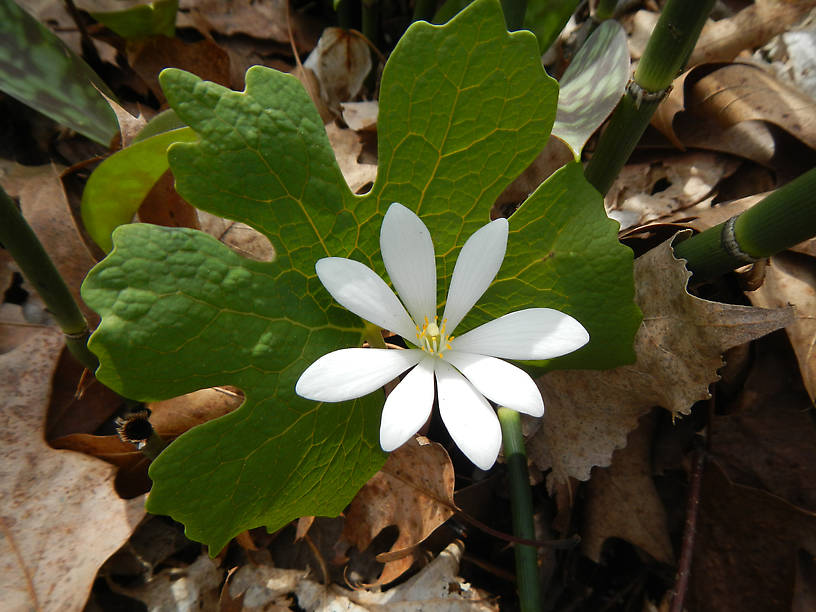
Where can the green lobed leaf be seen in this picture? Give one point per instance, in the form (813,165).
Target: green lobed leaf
(464,108)
(117,187)
(37,69)
(182,312)
(563,253)
(592,85)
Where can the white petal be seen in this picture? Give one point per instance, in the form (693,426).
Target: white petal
(353,372)
(476,267)
(499,381)
(470,420)
(408,406)
(357,287)
(408,255)
(534,333)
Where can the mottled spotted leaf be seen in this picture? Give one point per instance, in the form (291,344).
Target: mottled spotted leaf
(592,85)
(40,71)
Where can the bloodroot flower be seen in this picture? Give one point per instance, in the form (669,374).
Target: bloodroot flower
(467,368)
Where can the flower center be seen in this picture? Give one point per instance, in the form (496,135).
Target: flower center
(433,339)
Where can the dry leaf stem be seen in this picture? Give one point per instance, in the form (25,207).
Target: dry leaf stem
(27,250)
(521,500)
(781,220)
(668,50)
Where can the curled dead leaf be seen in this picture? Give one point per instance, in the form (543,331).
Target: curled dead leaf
(679,349)
(622,501)
(791,279)
(414,491)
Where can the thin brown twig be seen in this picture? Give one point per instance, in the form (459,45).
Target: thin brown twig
(689,532)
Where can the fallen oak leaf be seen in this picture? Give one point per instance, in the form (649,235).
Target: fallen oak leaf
(679,349)
(622,501)
(59,515)
(405,493)
(790,279)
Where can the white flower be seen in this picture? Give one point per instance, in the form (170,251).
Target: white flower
(466,367)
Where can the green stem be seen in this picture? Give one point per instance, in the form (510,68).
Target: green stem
(343,14)
(668,50)
(424,10)
(371,21)
(26,249)
(605,10)
(514,11)
(373,335)
(521,499)
(784,218)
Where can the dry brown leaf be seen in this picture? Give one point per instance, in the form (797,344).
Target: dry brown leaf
(204,58)
(341,61)
(678,347)
(310,83)
(435,588)
(129,125)
(164,206)
(361,116)
(744,92)
(746,547)
(622,501)
(196,587)
(263,19)
(174,416)
(639,27)
(68,413)
(347,148)
(647,191)
(405,493)
(45,207)
(59,515)
(791,279)
(241,238)
(752,27)
(737,108)
(14,329)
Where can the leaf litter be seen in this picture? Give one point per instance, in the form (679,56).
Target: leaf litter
(735,517)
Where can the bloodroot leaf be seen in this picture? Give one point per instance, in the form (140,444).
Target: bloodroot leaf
(464,108)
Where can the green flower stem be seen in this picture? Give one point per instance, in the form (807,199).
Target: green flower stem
(784,218)
(521,498)
(26,249)
(514,11)
(668,50)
